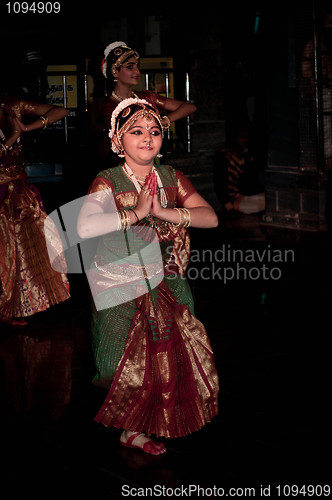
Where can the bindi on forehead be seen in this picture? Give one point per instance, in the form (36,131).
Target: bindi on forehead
(149,121)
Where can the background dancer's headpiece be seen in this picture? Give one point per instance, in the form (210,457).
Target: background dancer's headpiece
(116,54)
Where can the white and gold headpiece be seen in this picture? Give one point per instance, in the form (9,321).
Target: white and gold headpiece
(125,115)
(120,52)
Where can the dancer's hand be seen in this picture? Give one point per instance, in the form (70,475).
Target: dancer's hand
(145,197)
(156,208)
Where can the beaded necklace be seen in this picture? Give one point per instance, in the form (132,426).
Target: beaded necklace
(120,98)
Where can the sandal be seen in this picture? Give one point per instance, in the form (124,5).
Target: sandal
(149,446)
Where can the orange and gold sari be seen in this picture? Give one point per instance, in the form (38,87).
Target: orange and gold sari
(28,284)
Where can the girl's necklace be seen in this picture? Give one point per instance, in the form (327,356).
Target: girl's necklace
(135,179)
(141,179)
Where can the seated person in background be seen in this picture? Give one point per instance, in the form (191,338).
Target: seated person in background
(236,176)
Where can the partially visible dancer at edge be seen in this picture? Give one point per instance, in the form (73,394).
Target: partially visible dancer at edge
(151,353)
(120,67)
(237,174)
(28,284)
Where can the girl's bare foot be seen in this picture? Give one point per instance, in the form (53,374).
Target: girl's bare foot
(141,441)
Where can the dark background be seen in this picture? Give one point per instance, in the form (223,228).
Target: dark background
(271,338)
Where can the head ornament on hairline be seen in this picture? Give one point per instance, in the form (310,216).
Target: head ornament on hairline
(129,111)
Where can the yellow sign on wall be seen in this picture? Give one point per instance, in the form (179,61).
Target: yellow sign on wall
(56,77)
(157,75)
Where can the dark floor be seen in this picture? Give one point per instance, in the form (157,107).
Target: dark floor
(272,340)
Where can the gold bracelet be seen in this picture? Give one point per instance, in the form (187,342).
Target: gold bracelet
(185,217)
(121,215)
(181,217)
(44,119)
(122,219)
(168,122)
(125,219)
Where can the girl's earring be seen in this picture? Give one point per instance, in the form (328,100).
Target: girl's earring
(118,147)
(159,155)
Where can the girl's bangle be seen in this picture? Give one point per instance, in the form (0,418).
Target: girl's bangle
(185,217)
(124,219)
(132,210)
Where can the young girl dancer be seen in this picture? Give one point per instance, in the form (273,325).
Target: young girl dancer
(151,352)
